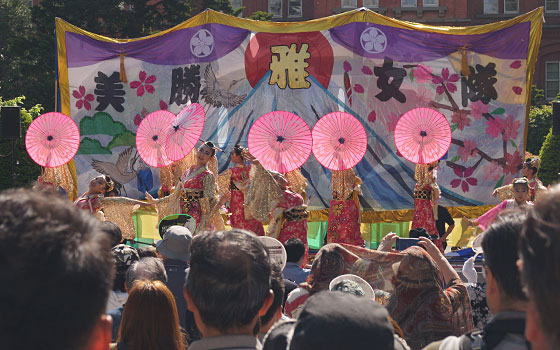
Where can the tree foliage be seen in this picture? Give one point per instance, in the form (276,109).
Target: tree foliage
(26,171)
(550,159)
(537,95)
(261,16)
(540,122)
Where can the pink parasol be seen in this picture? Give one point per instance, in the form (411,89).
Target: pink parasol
(150,138)
(52,139)
(339,141)
(422,135)
(280,140)
(185,131)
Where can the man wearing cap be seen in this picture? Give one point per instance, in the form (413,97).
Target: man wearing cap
(174,249)
(338,320)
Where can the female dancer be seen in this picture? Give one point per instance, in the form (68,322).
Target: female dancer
(521,198)
(115,209)
(426,195)
(530,169)
(344,212)
(234,184)
(196,193)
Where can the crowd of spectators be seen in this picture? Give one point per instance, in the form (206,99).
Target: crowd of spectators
(70,283)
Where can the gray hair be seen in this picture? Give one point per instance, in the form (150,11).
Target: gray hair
(148,268)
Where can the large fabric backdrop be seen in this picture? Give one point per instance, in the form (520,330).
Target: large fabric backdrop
(373,67)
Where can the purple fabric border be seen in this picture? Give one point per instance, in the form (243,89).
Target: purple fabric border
(170,49)
(405,45)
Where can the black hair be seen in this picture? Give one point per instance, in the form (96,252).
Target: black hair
(147,252)
(237,150)
(540,251)
(109,184)
(210,145)
(528,163)
(229,277)
(499,245)
(295,249)
(278,288)
(53,257)
(114,232)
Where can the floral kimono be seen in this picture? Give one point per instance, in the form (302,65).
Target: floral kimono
(426,195)
(344,211)
(289,218)
(234,184)
(487,218)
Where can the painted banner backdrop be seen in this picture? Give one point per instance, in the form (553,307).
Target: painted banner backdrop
(373,67)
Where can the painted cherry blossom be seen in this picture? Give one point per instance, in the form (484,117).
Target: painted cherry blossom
(359,88)
(82,100)
(143,84)
(494,127)
(347,66)
(492,171)
(162,105)
(511,127)
(465,180)
(372,116)
(422,73)
(468,150)
(138,117)
(392,120)
(447,80)
(461,118)
(513,162)
(478,109)
(366,70)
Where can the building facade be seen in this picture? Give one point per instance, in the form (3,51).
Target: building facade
(437,12)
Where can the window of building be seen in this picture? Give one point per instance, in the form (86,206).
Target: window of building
(408,3)
(371,3)
(490,6)
(349,3)
(235,4)
(275,7)
(294,8)
(552,80)
(511,6)
(429,3)
(552,5)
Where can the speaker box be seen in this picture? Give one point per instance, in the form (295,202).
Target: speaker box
(555,118)
(10,122)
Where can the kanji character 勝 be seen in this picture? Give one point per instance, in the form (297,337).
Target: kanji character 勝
(185,85)
(390,80)
(109,91)
(287,61)
(479,85)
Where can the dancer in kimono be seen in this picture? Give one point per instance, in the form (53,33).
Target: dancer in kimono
(344,211)
(118,210)
(521,199)
(234,184)
(426,195)
(530,169)
(196,194)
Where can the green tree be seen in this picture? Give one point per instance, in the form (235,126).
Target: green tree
(550,159)
(261,16)
(221,6)
(26,171)
(537,95)
(540,122)
(20,70)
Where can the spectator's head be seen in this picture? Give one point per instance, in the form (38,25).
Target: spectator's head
(499,244)
(359,322)
(228,283)
(53,258)
(149,319)
(295,249)
(113,231)
(352,284)
(418,232)
(147,252)
(176,244)
(274,312)
(123,256)
(150,269)
(540,255)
